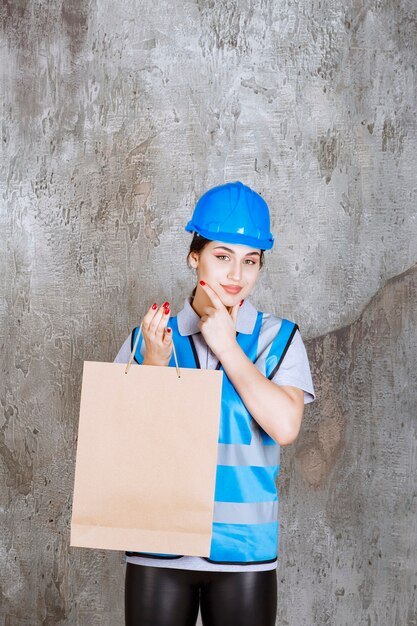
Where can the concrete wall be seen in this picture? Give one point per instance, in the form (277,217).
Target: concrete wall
(116,116)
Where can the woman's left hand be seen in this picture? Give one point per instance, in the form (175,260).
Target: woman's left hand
(217,325)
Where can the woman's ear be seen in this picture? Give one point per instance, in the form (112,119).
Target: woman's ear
(193,260)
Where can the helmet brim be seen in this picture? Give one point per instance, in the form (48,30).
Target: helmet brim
(262,243)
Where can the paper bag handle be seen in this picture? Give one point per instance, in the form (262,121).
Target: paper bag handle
(136,345)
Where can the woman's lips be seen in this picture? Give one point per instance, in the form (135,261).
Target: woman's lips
(232,289)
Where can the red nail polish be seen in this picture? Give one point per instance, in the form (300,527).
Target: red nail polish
(241,302)
(168,330)
(166,310)
(166,303)
(154,306)
(202,282)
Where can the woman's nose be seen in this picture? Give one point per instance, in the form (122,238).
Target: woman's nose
(235,272)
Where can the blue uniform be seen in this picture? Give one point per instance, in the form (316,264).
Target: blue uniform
(245,523)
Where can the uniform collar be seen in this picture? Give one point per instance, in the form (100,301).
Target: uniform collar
(188,319)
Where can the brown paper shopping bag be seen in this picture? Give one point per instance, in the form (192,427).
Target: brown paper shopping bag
(146,458)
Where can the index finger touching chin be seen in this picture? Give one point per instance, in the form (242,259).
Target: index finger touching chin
(211,294)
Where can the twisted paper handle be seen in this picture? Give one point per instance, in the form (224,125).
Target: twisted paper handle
(136,345)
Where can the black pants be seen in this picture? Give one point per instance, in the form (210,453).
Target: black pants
(163,596)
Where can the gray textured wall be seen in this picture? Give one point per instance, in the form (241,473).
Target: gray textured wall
(116,116)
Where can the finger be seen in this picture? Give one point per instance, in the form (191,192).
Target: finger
(234,312)
(209,310)
(168,336)
(163,322)
(148,317)
(156,319)
(212,295)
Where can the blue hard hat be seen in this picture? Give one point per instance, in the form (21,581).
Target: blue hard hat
(233,213)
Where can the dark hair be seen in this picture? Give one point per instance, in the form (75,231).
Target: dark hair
(199,242)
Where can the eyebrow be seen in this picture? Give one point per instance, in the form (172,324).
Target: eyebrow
(229,250)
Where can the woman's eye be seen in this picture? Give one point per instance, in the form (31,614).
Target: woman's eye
(224,256)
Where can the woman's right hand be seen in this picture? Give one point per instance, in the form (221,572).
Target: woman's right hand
(158,340)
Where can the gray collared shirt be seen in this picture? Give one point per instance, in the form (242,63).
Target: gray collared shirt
(294,369)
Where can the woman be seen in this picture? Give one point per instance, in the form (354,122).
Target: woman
(266,383)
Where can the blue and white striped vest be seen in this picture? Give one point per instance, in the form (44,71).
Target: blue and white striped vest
(245,523)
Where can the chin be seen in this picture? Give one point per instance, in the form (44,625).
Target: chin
(230,299)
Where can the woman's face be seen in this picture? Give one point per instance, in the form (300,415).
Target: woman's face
(223,265)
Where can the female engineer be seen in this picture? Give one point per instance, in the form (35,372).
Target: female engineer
(266,382)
